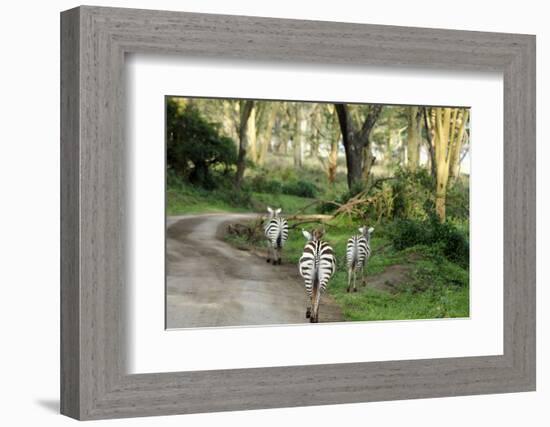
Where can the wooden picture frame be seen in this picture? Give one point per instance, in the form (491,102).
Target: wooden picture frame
(94,382)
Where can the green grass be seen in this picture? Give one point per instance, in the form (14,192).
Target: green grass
(183,199)
(186,200)
(289,204)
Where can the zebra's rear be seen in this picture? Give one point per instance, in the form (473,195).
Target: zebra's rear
(317,265)
(357,254)
(276,233)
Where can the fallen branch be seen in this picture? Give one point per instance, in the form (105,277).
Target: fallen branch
(316,202)
(311,221)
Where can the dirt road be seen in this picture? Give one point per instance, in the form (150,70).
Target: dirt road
(211,283)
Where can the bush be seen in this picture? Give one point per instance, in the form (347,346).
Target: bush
(300,188)
(446,238)
(412,194)
(407,233)
(458,200)
(239,198)
(260,184)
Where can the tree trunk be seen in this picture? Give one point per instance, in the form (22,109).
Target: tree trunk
(413,138)
(332,161)
(354,163)
(430,135)
(457,148)
(448,126)
(441,193)
(299,136)
(245,110)
(368,163)
(356,141)
(251,134)
(265,141)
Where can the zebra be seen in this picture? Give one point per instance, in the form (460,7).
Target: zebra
(357,254)
(276,232)
(317,265)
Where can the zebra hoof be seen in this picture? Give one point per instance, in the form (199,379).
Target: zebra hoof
(308,313)
(347,290)
(354,289)
(267,260)
(280,261)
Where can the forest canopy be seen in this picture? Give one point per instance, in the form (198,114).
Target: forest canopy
(242,145)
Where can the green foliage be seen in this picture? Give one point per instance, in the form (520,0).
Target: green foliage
(412,194)
(443,237)
(261,184)
(300,188)
(287,202)
(183,197)
(458,199)
(195,146)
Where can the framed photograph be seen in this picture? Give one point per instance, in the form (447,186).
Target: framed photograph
(261,213)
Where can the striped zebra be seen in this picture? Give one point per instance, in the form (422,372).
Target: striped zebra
(317,265)
(276,232)
(357,255)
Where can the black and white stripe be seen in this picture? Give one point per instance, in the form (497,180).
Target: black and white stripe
(357,254)
(317,265)
(276,232)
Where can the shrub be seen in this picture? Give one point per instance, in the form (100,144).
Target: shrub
(412,194)
(458,199)
(300,188)
(446,238)
(407,233)
(235,197)
(260,184)
(454,244)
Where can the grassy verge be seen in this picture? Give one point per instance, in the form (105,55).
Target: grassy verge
(185,199)
(429,286)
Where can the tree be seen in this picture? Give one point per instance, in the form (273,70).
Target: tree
(359,157)
(251,135)
(414,137)
(430,136)
(194,145)
(245,111)
(300,127)
(456,152)
(266,130)
(447,126)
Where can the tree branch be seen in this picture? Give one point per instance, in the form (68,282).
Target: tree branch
(368,124)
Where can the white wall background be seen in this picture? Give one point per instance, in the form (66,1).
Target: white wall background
(29,212)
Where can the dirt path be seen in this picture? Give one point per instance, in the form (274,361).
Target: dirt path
(210,283)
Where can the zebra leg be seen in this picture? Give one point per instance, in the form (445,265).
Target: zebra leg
(308,305)
(354,280)
(316,297)
(349,278)
(268,251)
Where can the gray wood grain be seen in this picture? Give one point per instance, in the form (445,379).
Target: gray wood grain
(70,292)
(94,379)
